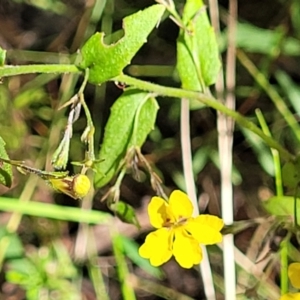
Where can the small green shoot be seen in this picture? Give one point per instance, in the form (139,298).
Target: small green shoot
(76,186)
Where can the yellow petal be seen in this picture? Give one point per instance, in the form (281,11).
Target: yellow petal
(205,229)
(294,274)
(290,296)
(159,212)
(180,205)
(157,247)
(186,250)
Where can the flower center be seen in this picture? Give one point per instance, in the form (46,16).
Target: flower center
(181,220)
(177,223)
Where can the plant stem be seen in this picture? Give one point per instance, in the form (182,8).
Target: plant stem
(275,154)
(158,89)
(187,161)
(209,101)
(271,92)
(28,69)
(90,129)
(284,265)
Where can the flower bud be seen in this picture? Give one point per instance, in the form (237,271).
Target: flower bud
(76,186)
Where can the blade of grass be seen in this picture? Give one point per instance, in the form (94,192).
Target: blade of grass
(93,267)
(275,154)
(160,290)
(53,211)
(279,192)
(271,92)
(123,272)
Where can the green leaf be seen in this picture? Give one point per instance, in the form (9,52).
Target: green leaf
(262,151)
(5,169)
(108,61)
(2,56)
(282,206)
(144,120)
(22,271)
(132,118)
(15,247)
(125,213)
(123,271)
(290,88)
(131,250)
(198,61)
(291,174)
(265,41)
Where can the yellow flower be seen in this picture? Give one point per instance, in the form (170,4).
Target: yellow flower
(178,233)
(294,275)
(290,296)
